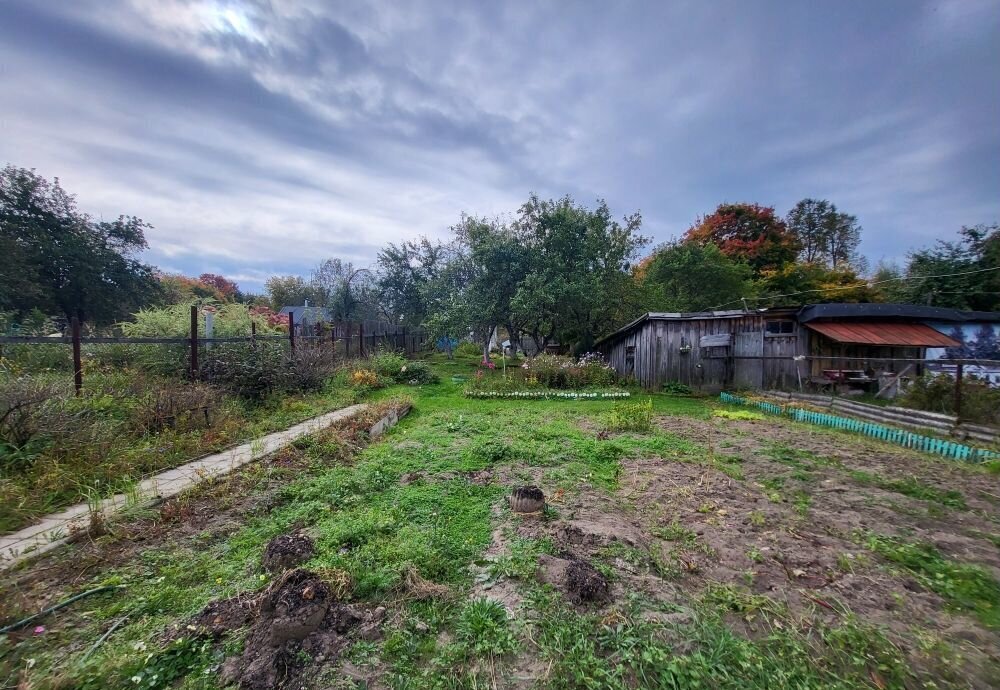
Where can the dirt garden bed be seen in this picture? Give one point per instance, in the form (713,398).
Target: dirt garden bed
(783,528)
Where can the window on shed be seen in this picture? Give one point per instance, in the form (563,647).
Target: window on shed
(629,358)
(779,327)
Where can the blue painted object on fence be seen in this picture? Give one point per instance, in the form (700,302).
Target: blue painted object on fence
(446,343)
(928,444)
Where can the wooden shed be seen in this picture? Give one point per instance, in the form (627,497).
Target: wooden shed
(709,351)
(782,348)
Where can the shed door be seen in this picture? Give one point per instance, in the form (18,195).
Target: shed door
(747,372)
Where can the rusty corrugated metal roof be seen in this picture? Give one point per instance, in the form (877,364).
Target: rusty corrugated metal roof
(883,333)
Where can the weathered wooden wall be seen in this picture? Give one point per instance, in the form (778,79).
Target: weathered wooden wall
(670,350)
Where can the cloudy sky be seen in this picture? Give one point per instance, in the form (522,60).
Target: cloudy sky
(261,137)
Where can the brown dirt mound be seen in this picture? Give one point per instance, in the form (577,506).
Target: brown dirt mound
(287,551)
(297,625)
(219,617)
(581,581)
(585,584)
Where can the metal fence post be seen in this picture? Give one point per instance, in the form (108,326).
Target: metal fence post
(291,330)
(958,391)
(361,338)
(194,341)
(77,360)
(253,334)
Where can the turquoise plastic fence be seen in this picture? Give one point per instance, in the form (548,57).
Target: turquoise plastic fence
(928,444)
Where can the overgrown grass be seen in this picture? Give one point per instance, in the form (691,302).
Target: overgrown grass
(966,587)
(702,651)
(420,501)
(912,487)
(104,443)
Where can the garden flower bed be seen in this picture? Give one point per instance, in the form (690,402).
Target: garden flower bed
(546,394)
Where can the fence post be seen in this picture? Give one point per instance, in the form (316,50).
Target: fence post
(253,334)
(194,341)
(958,392)
(291,331)
(77,361)
(361,338)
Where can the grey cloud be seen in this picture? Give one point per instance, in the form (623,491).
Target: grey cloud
(332,128)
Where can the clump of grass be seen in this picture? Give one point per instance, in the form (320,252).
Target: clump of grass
(675,531)
(912,487)
(521,559)
(492,451)
(484,627)
(729,465)
(966,587)
(743,415)
(631,416)
(588,651)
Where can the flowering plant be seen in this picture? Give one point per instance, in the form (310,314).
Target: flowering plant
(547,394)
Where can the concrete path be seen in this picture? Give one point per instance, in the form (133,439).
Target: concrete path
(52,530)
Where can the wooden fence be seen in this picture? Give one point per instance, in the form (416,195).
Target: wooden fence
(345,339)
(906,439)
(920,420)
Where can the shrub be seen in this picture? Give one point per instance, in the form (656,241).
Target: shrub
(936,393)
(307,370)
(417,373)
(179,406)
(249,372)
(676,388)
(631,416)
(22,414)
(255,372)
(364,378)
(467,349)
(387,363)
(556,371)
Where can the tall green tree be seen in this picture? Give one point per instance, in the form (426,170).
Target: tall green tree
(691,277)
(813,282)
(807,221)
(284,291)
(496,263)
(403,272)
(580,261)
(967,268)
(55,258)
(348,292)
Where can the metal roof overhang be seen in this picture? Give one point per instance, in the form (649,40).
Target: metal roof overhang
(875,333)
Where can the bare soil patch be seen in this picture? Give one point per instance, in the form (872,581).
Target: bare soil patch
(776,511)
(297,626)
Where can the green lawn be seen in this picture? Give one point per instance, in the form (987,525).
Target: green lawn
(410,503)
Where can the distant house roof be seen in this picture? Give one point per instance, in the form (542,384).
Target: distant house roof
(691,316)
(912,312)
(882,333)
(310,314)
(819,312)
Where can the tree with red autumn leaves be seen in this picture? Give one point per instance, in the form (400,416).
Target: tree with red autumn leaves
(750,233)
(225,286)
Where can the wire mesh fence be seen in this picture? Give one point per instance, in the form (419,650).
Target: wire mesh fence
(333,342)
